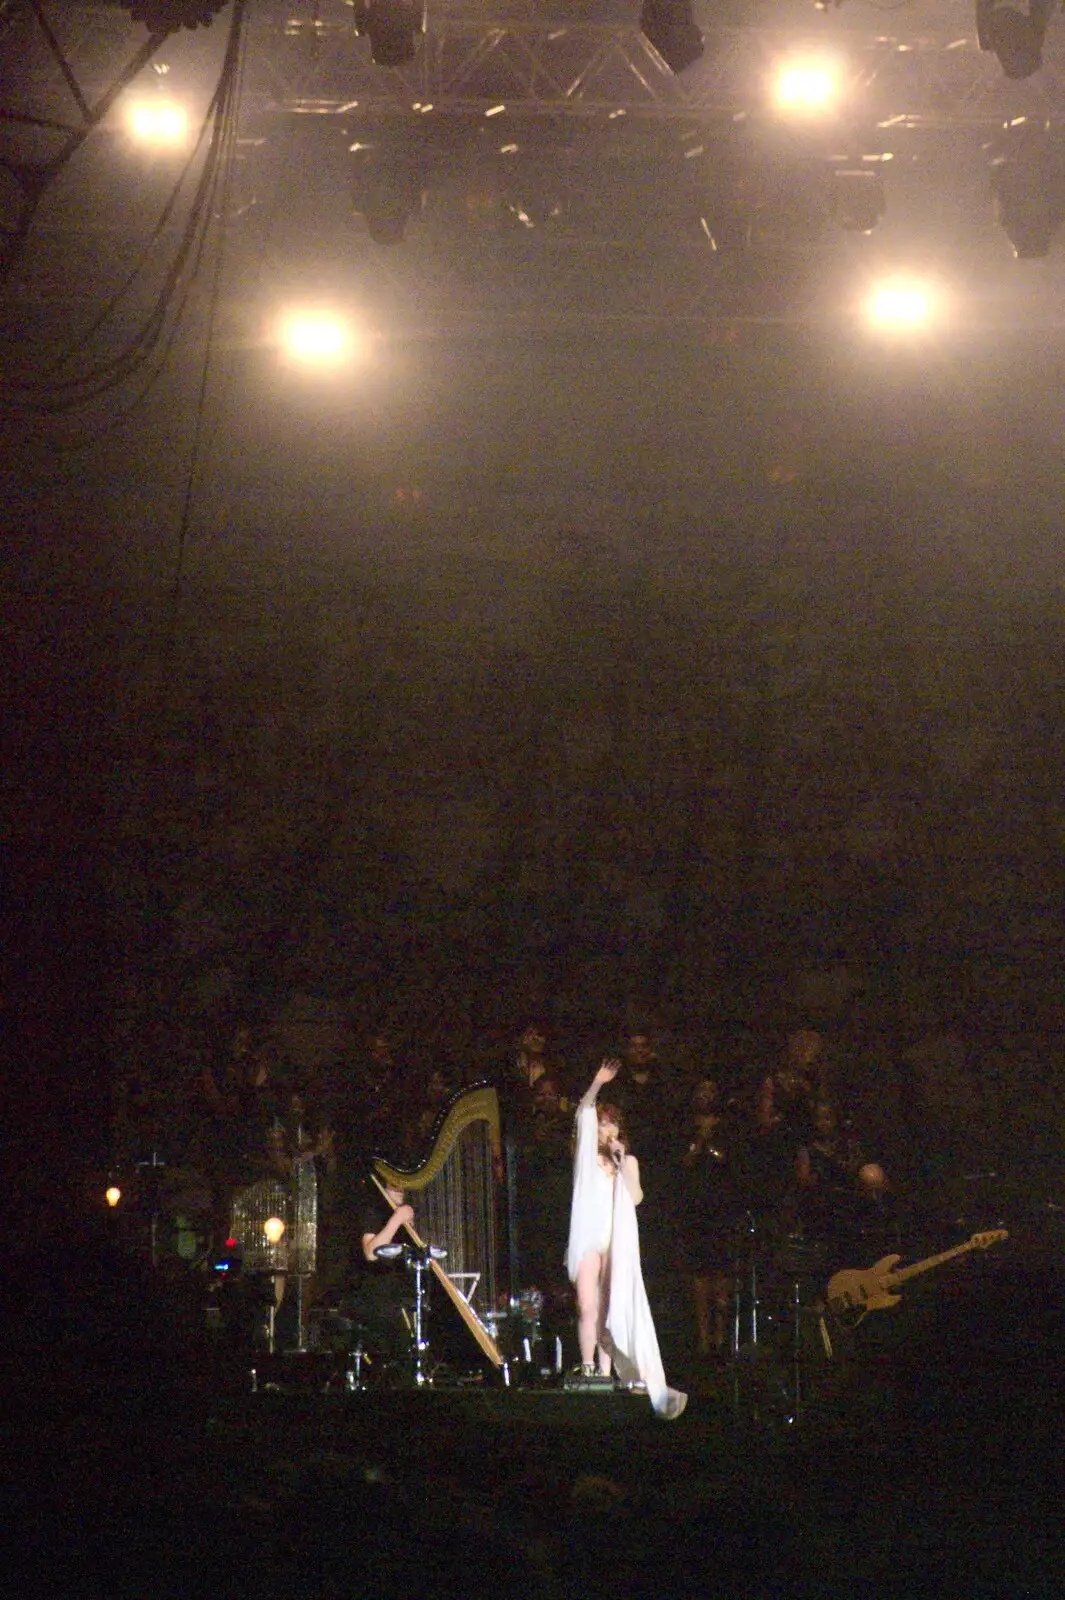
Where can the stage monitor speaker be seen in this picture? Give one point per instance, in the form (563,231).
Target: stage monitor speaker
(670,26)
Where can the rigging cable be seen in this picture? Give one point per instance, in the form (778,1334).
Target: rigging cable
(55,394)
(212,318)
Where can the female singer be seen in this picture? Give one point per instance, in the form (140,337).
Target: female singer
(603,1258)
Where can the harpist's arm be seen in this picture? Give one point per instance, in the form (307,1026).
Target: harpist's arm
(387,1234)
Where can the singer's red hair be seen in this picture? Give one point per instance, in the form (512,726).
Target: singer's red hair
(611,1113)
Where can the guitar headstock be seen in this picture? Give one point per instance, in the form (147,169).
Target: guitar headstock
(984,1241)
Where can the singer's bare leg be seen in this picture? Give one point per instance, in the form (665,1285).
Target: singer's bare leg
(604,1302)
(589,1274)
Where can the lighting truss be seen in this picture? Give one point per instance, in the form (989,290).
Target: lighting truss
(533,63)
(310,60)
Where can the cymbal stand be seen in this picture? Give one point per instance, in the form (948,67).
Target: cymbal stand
(746,1276)
(796,1353)
(745,1286)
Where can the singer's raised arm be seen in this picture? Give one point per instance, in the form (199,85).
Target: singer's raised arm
(608,1071)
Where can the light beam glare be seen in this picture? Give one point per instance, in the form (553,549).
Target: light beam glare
(163,124)
(807,86)
(316,338)
(903,304)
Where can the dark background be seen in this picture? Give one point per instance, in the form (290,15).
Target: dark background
(630,640)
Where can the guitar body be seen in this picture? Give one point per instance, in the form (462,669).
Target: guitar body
(854,1291)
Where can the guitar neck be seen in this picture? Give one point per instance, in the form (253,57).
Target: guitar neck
(904,1273)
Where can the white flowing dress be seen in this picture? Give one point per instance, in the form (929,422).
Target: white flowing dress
(603,1218)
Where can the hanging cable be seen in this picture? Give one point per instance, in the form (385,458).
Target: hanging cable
(201,399)
(56,394)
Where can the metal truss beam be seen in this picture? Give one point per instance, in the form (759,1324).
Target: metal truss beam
(532,64)
(309,60)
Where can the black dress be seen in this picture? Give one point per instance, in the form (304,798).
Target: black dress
(378,1292)
(711,1204)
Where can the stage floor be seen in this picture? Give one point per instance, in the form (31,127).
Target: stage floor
(143,1487)
(924,1461)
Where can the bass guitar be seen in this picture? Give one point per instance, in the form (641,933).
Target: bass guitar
(853,1292)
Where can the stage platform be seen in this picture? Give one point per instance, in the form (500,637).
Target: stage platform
(928,1463)
(144,1489)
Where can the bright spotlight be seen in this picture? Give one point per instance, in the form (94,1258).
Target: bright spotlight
(902,305)
(161,123)
(113,1195)
(807,86)
(273,1228)
(313,338)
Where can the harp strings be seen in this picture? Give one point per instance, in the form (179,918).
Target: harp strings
(458,1213)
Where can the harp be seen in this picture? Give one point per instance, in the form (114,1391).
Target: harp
(453,1194)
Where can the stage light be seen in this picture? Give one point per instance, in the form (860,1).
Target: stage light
(161,124)
(807,86)
(389,185)
(392,27)
(902,304)
(316,338)
(273,1228)
(1028,184)
(167,16)
(113,1195)
(670,27)
(1014,36)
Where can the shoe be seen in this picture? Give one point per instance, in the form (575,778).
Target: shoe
(675,1402)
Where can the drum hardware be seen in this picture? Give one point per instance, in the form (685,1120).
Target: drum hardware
(539,1364)
(353,1381)
(419,1259)
(796,1357)
(746,1275)
(344,1337)
(496,1322)
(529,1307)
(767,1339)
